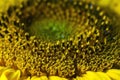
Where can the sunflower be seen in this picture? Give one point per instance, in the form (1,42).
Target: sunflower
(59,40)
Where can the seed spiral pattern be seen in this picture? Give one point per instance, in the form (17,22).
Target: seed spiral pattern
(58,38)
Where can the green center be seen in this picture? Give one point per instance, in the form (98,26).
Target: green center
(49,29)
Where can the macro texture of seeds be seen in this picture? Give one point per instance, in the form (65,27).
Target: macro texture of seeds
(58,38)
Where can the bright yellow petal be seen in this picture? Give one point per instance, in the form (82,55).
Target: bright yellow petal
(114,74)
(3,77)
(91,76)
(39,78)
(56,78)
(103,76)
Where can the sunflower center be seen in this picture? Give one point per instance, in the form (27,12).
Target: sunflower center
(49,29)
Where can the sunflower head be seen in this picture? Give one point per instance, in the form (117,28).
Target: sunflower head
(58,38)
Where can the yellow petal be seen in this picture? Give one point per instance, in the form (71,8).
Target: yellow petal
(56,78)
(104,2)
(8,71)
(103,76)
(43,78)
(15,75)
(39,78)
(3,77)
(91,76)
(114,74)
(116,6)
(2,69)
